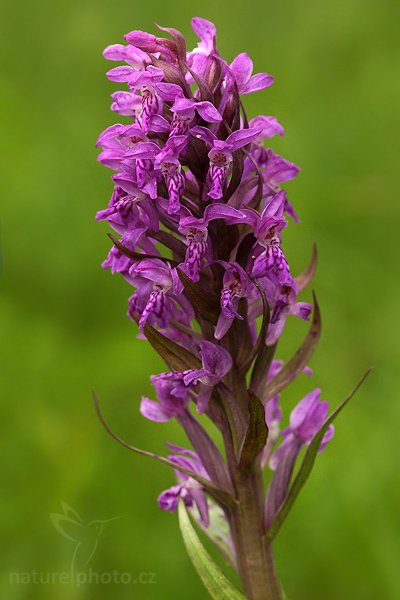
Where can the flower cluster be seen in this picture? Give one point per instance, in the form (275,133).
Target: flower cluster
(200,210)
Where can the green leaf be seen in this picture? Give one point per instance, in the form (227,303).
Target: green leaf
(218,586)
(217,530)
(256,434)
(261,368)
(205,305)
(136,255)
(307,465)
(176,357)
(260,343)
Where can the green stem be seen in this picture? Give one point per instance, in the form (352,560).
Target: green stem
(254,555)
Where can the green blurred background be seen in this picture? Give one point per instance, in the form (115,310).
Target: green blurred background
(63,321)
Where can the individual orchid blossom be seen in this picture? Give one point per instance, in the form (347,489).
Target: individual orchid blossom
(166,160)
(201,58)
(147,82)
(151,44)
(127,104)
(236,285)
(196,233)
(184,110)
(200,212)
(306,419)
(161,297)
(241,69)
(170,404)
(221,155)
(134,57)
(216,362)
(277,170)
(191,492)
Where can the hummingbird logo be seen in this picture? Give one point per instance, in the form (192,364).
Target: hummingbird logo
(85,536)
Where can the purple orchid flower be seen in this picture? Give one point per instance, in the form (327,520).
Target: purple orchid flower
(306,420)
(241,70)
(283,302)
(166,160)
(273,412)
(216,363)
(236,285)
(277,170)
(149,43)
(184,111)
(158,292)
(269,259)
(221,155)
(134,57)
(196,233)
(127,104)
(128,212)
(118,144)
(147,82)
(219,220)
(201,57)
(188,489)
(170,403)
(268,127)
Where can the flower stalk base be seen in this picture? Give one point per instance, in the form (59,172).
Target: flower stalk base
(254,554)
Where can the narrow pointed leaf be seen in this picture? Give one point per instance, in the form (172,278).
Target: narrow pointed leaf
(261,368)
(306,276)
(260,343)
(204,304)
(216,583)
(171,73)
(137,255)
(206,448)
(217,530)
(256,434)
(179,43)
(257,197)
(237,172)
(307,464)
(240,339)
(176,357)
(219,494)
(296,364)
(170,241)
(205,92)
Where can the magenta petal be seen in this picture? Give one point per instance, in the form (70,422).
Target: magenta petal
(142,39)
(222,327)
(215,359)
(208,112)
(268,126)
(154,411)
(120,74)
(204,134)
(257,82)
(169,499)
(205,30)
(242,67)
(240,138)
